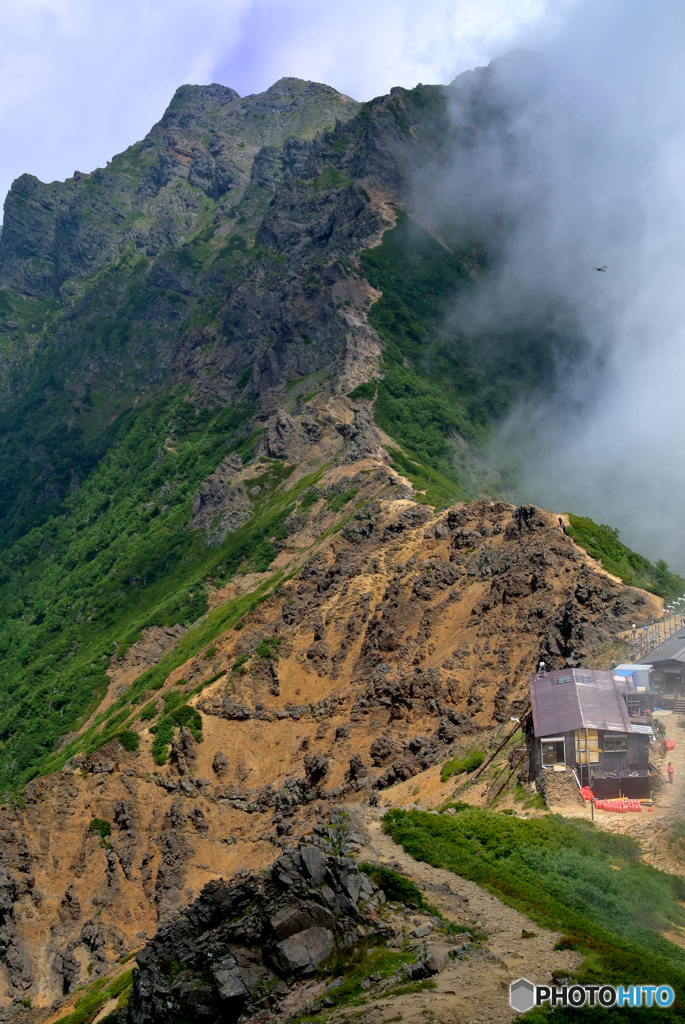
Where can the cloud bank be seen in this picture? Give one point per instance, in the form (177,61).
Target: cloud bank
(591,172)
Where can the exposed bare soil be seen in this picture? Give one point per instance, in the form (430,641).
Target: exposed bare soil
(405,638)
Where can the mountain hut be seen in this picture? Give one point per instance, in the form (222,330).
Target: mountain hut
(667,672)
(581,721)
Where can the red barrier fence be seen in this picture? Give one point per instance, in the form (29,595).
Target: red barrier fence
(619,805)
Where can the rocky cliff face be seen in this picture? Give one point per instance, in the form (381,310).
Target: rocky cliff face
(242,943)
(210,144)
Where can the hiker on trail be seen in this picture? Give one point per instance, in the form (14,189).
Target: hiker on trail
(669,769)
(561,521)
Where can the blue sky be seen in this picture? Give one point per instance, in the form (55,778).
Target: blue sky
(82,79)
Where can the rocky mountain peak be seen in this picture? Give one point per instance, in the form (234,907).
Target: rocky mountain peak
(197,100)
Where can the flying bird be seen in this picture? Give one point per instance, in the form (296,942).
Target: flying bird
(602,270)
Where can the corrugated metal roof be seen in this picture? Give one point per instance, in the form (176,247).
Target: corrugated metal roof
(581,699)
(672,649)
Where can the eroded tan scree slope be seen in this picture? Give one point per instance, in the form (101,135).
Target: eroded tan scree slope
(401,639)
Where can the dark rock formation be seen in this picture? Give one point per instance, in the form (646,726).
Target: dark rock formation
(176,853)
(240,946)
(220,507)
(315,768)
(220,763)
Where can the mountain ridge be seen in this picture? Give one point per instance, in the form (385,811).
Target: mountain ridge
(250,535)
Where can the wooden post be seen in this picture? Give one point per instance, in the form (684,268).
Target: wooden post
(519,725)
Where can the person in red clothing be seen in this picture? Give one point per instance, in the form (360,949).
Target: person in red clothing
(669,769)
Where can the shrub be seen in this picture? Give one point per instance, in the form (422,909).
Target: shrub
(365,390)
(149,711)
(129,739)
(309,498)
(166,727)
(101,827)
(336,501)
(268,648)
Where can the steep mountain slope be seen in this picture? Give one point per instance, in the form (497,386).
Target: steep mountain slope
(603,543)
(233,400)
(161,310)
(402,637)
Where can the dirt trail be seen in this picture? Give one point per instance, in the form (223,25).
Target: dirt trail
(474,990)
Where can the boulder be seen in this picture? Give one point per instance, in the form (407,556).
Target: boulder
(220,763)
(302,953)
(229,980)
(315,863)
(315,768)
(432,963)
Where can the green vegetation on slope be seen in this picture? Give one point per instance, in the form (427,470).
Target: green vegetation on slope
(438,378)
(563,874)
(55,434)
(117,559)
(462,764)
(602,542)
(91,1001)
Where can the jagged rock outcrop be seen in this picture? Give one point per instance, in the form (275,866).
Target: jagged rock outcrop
(209,137)
(380,659)
(242,944)
(220,763)
(175,856)
(220,506)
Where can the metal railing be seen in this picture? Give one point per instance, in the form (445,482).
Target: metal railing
(645,638)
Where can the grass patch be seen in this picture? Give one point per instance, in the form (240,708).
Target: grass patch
(336,501)
(357,964)
(431,487)
(462,764)
(149,711)
(559,872)
(414,986)
(395,886)
(309,498)
(95,997)
(530,801)
(603,542)
(179,716)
